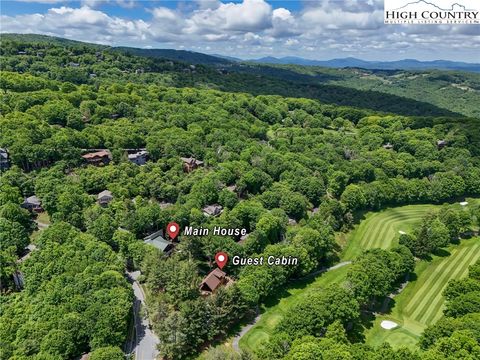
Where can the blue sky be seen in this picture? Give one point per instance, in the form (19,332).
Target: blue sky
(322,29)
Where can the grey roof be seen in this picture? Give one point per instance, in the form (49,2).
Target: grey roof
(138,154)
(105,193)
(3,153)
(158,241)
(32,200)
(156,234)
(212,209)
(191,160)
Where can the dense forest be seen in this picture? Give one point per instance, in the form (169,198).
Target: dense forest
(292,171)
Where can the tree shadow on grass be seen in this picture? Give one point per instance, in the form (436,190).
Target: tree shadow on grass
(357,333)
(367,318)
(442,253)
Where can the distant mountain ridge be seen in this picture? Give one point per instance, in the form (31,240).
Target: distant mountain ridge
(405,64)
(223,60)
(191,57)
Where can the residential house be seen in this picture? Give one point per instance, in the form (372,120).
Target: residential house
(33,204)
(98,158)
(139,158)
(388,146)
(212,210)
(156,239)
(212,281)
(104,197)
(190,164)
(441,144)
(4,159)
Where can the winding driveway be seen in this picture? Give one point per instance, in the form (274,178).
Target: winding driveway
(145,340)
(246,328)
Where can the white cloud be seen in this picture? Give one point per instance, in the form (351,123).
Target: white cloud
(96,3)
(322,29)
(250,15)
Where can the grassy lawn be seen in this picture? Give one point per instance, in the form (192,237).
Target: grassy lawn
(421,303)
(381,229)
(44,218)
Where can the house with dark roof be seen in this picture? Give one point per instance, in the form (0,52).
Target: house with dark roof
(104,197)
(212,281)
(156,239)
(32,203)
(98,158)
(190,164)
(4,159)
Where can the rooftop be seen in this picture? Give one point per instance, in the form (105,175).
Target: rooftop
(154,235)
(214,209)
(32,200)
(191,160)
(213,279)
(159,242)
(95,154)
(138,154)
(104,193)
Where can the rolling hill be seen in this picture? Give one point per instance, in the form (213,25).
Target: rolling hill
(405,64)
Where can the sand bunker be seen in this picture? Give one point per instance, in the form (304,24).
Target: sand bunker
(464,203)
(402,232)
(388,325)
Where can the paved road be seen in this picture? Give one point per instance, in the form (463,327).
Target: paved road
(145,341)
(246,328)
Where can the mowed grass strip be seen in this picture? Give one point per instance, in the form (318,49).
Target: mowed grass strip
(427,304)
(383,235)
(421,303)
(381,229)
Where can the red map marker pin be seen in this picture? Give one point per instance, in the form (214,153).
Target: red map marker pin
(221,259)
(173,229)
